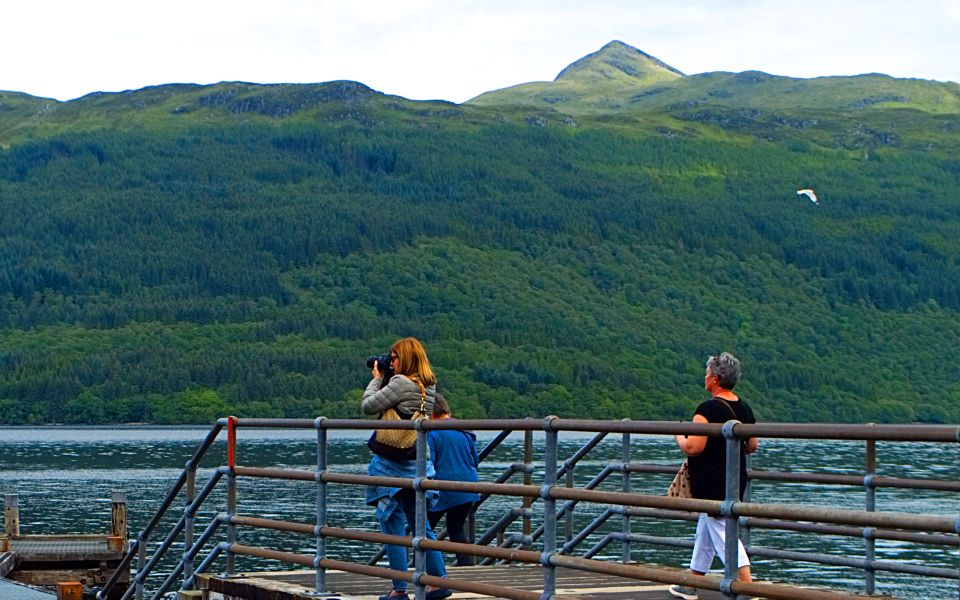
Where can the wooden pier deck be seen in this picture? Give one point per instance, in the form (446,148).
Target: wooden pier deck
(299,585)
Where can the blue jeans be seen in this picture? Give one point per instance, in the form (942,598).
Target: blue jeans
(395,524)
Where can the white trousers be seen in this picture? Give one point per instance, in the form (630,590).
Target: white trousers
(709,542)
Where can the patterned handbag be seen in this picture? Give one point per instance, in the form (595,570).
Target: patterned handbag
(402,438)
(680,486)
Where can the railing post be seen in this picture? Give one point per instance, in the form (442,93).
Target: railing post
(420,528)
(320,584)
(231,494)
(190,493)
(870,496)
(731,522)
(747,494)
(549,510)
(11,515)
(141,566)
(527,480)
(568,518)
(625,480)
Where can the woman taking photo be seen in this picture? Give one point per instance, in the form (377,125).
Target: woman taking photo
(411,388)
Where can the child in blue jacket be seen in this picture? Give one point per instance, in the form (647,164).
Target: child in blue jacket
(455,458)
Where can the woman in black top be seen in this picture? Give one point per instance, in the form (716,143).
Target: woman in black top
(707,463)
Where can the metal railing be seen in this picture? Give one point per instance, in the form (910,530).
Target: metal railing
(868,523)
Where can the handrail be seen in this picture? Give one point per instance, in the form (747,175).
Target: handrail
(820,431)
(868,523)
(895,520)
(826,478)
(144,535)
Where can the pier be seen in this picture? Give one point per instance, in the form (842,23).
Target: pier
(568,509)
(31,563)
(545,561)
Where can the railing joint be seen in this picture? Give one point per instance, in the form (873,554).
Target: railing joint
(726,585)
(869,481)
(417,483)
(727,507)
(548,423)
(415,542)
(318,422)
(727,429)
(318,475)
(546,558)
(545,491)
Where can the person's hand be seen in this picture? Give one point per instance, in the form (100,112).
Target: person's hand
(376,369)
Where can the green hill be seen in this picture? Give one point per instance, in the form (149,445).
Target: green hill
(619,78)
(597,82)
(182,252)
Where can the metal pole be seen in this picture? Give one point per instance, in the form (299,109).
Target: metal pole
(191,494)
(231,493)
(527,480)
(747,493)
(141,565)
(568,518)
(625,479)
(731,522)
(870,490)
(320,584)
(420,530)
(549,511)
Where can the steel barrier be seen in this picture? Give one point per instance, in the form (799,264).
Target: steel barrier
(869,523)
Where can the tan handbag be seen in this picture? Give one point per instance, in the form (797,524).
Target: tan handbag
(680,486)
(402,438)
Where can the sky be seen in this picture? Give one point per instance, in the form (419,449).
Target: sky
(455,49)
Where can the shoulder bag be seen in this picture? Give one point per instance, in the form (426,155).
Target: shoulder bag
(402,438)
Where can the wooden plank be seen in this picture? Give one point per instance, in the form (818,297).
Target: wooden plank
(571,585)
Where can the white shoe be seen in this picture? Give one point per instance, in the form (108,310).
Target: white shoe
(682,591)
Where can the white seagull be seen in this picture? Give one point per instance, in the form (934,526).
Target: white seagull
(809,194)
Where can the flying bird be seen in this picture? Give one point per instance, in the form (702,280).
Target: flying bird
(810,195)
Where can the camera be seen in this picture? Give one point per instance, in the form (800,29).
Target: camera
(383,364)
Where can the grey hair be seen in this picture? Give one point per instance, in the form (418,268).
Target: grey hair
(727,369)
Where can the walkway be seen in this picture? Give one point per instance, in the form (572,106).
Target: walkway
(571,584)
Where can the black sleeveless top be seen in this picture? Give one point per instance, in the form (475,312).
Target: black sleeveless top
(708,471)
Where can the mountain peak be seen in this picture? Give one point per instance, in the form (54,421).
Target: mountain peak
(616,60)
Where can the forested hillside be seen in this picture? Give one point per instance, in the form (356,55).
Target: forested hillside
(179,253)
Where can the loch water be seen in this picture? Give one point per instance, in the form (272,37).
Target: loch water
(64,478)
